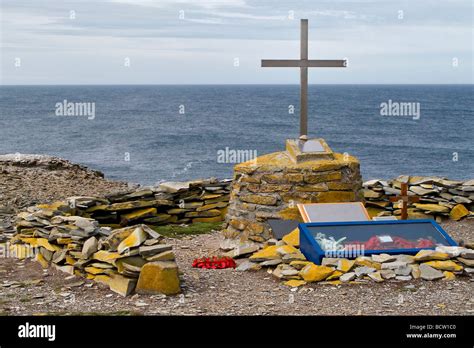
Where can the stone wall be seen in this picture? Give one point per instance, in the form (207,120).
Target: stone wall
(271,186)
(440,198)
(170,203)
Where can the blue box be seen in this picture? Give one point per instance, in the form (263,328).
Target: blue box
(381,236)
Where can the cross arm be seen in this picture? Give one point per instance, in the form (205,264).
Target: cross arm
(298,63)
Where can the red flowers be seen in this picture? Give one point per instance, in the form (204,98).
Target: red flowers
(214,263)
(374,243)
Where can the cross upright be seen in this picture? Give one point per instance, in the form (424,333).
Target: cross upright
(303,63)
(405,199)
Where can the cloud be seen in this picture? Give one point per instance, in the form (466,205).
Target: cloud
(206,4)
(202,45)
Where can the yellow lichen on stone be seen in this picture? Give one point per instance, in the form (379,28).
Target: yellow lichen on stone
(294,283)
(290,214)
(293,238)
(159,277)
(212,206)
(447,265)
(312,187)
(415,271)
(362,261)
(121,285)
(40,242)
(374,211)
(432,207)
(94,270)
(336,196)
(41,260)
(345,265)
(315,273)
(58,205)
(295,178)
(136,238)
(70,260)
(427,255)
(164,256)
(277,160)
(268,253)
(287,249)
(259,199)
(139,214)
(458,212)
(335,275)
(449,275)
(106,256)
(299,264)
(315,178)
(340,186)
(334,282)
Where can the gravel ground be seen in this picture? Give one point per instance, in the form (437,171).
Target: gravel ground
(228,292)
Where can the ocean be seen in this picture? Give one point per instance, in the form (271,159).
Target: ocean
(152,133)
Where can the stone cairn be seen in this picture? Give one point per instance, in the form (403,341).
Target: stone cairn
(126,259)
(272,185)
(284,260)
(440,198)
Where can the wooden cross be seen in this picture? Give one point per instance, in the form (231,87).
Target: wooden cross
(405,199)
(303,63)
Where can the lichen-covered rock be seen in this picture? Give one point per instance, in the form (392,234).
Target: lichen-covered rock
(458,212)
(428,255)
(292,238)
(315,273)
(447,265)
(159,277)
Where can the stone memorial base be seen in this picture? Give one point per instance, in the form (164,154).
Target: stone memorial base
(272,185)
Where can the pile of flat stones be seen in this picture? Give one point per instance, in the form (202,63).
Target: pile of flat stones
(126,259)
(440,198)
(7,228)
(284,261)
(169,203)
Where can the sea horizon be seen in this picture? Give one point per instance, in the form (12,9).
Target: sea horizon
(139,133)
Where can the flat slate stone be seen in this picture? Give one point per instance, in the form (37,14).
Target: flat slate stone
(403,271)
(364,270)
(403,277)
(429,273)
(393,265)
(383,258)
(347,277)
(147,251)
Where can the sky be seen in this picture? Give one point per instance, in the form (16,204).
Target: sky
(223,41)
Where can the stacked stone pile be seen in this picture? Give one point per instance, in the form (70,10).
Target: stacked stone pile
(439,197)
(169,203)
(126,259)
(284,261)
(271,186)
